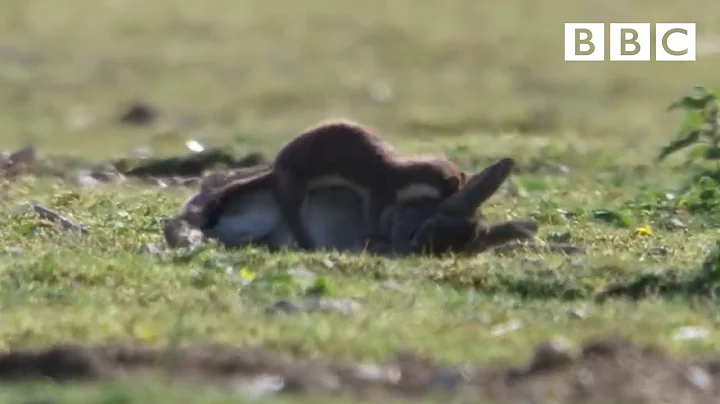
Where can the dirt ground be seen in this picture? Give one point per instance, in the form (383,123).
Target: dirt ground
(609,369)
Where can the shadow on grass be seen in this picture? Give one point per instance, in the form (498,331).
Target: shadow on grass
(702,283)
(597,283)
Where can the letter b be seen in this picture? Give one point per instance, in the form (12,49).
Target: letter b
(584,42)
(583,36)
(630,42)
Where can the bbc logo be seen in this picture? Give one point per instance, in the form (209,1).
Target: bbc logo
(585,42)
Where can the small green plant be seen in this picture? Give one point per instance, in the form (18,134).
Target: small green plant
(700,128)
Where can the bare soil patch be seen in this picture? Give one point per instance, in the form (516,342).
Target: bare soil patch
(609,369)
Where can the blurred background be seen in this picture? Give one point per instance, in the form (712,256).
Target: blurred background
(487,76)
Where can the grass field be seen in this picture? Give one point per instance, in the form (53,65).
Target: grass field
(475,80)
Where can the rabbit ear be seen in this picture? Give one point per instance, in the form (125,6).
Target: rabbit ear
(240,181)
(479,188)
(215,198)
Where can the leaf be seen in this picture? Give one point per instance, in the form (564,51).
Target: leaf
(691,120)
(692,102)
(694,153)
(704,91)
(695,102)
(714,93)
(678,144)
(712,153)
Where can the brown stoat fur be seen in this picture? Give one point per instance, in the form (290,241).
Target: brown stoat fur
(343,152)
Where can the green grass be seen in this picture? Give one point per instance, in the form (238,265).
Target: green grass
(472,79)
(130,393)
